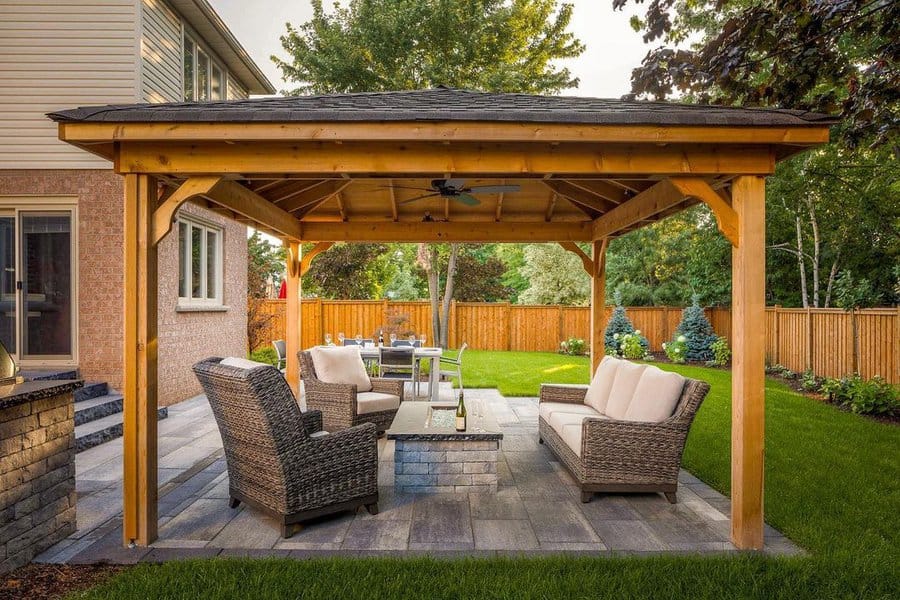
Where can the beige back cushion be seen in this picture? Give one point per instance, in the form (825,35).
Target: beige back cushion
(341,364)
(655,397)
(597,394)
(241,363)
(627,376)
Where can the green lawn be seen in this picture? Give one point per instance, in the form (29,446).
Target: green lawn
(832,485)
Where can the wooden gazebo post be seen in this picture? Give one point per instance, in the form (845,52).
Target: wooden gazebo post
(598,303)
(748,308)
(293,315)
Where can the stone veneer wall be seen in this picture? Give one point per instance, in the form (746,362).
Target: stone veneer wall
(184,338)
(37,477)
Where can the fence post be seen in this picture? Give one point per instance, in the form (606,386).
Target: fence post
(508,310)
(854,327)
(776,358)
(451,326)
(665,324)
(560,326)
(809,340)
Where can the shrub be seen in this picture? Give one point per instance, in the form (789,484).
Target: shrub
(573,346)
(266,354)
(699,333)
(620,325)
(873,397)
(721,352)
(631,345)
(809,381)
(781,371)
(675,349)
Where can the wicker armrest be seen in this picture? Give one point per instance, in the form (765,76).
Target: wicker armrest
(337,395)
(345,452)
(312,421)
(571,394)
(386,385)
(633,441)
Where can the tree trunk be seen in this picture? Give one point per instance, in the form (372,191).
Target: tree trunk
(428,260)
(817,242)
(448,295)
(831,277)
(801,263)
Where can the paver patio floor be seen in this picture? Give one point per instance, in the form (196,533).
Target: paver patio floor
(535,511)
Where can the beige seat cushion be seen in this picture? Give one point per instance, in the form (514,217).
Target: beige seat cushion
(560,419)
(341,364)
(547,409)
(655,396)
(242,363)
(571,435)
(627,377)
(372,402)
(597,394)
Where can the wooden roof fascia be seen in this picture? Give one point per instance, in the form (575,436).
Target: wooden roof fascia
(444,231)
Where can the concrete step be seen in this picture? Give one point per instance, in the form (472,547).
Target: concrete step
(97,407)
(91,389)
(94,433)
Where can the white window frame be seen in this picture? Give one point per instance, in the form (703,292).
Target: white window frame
(184,260)
(211,64)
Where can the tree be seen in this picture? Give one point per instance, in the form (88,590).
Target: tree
(619,324)
(350,272)
(382,45)
(699,334)
(802,54)
(555,276)
(479,275)
(264,262)
(377,45)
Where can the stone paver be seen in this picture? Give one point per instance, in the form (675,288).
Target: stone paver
(536,509)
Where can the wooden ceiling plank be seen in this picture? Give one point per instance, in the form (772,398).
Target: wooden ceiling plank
(314,196)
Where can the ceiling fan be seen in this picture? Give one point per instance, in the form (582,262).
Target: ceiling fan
(456,190)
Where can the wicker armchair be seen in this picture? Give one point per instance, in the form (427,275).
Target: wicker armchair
(338,402)
(624,456)
(275,464)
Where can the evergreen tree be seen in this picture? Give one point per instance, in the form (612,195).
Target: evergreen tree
(620,324)
(699,333)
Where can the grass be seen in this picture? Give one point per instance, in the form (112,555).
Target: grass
(832,485)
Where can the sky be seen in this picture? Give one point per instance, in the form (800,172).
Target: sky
(612,47)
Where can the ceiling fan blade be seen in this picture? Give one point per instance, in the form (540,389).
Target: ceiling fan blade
(493,189)
(456,184)
(408,200)
(404,187)
(466,199)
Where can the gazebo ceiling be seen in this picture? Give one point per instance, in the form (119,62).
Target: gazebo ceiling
(349,158)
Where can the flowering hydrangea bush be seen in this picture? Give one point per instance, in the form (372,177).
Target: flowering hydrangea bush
(630,345)
(573,346)
(675,350)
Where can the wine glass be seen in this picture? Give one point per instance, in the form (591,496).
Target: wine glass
(393,338)
(422,339)
(327,339)
(341,337)
(359,339)
(477,412)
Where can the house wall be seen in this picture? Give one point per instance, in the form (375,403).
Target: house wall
(235,90)
(161,53)
(184,337)
(56,55)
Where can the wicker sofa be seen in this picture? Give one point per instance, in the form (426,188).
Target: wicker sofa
(343,405)
(279,460)
(623,433)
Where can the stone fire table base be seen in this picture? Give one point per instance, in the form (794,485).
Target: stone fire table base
(446,466)
(431,456)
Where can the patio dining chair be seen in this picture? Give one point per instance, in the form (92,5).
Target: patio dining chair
(399,362)
(281,352)
(452,367)
(279,460)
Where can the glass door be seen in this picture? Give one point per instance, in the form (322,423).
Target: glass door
(8,296)
(45,286)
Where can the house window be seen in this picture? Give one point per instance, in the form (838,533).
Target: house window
(199,264)
(203,78)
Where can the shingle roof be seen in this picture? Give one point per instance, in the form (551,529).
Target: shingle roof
(444,104)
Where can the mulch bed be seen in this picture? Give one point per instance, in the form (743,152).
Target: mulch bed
(48,582)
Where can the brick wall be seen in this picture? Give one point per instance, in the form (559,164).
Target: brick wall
(184,338)
(37,478)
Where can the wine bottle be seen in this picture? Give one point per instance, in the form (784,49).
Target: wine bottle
(461,413)
(381,337)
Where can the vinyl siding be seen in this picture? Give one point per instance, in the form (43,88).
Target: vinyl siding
(161,59)
(57,54)
(235,90)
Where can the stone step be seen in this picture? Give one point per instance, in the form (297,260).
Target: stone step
(44,374)
(91,389)
(97,407)
(94,433)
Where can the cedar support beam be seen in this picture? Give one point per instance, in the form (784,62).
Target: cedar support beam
(164,216)
(306,262)
(598,302)
(725,215)
(139,515)
(748,372)
(293,315)
(456,231)
(586,260)
(652,201)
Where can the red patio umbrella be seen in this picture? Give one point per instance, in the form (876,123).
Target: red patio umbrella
(282,291)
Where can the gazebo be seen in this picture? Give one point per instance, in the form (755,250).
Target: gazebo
(337,168)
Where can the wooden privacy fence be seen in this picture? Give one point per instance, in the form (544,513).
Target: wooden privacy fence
(820,339)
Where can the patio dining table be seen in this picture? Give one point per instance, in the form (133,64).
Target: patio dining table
(433,355)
